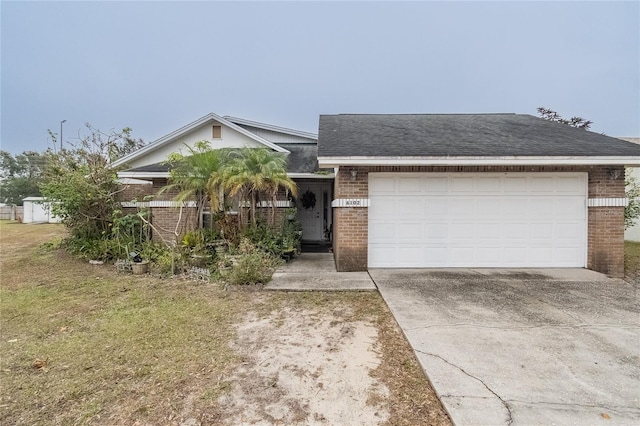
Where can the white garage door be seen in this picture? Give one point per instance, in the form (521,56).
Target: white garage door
(477,220)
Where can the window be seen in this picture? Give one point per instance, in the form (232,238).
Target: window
(217,132)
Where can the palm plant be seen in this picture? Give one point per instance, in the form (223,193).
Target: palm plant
(256,172)
(199,176)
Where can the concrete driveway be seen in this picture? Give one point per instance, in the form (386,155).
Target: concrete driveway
(522,347)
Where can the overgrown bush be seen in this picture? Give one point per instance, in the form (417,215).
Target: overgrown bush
(125,234)
(84,186)
(253,268)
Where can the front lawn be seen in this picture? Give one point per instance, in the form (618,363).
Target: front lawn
(81,344)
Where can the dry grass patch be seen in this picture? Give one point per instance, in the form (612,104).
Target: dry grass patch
(632,261)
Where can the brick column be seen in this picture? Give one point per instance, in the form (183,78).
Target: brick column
(350,223)
(605,251)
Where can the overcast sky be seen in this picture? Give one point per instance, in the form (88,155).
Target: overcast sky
(156,66)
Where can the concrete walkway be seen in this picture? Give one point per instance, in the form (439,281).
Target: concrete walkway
(317,272)
(522,347)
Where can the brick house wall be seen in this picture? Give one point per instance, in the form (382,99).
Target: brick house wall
(605,235)
(165,219)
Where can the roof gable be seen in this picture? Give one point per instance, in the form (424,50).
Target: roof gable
(200,129)
(460,135)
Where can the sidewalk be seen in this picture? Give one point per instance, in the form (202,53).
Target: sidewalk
(317,272)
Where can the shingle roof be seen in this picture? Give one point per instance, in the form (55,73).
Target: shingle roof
(303,158)
(460,135)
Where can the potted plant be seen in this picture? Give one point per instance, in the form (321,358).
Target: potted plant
(138,265)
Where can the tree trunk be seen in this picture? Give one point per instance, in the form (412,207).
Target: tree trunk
(253,207)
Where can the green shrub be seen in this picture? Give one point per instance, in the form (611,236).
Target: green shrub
(275,241)
(253,268)
(262,236)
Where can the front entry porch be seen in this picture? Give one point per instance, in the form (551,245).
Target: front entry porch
(314,213)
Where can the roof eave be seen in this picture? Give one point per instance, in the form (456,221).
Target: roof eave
(330,161)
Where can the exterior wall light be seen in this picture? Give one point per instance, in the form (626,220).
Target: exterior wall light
(354,174)
(614,174)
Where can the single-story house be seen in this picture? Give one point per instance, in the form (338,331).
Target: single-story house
(429,190)
(146,172)
(474,190)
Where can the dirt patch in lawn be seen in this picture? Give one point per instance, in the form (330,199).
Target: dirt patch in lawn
(303,366)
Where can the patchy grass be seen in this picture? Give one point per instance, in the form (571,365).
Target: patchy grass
(632,260)
(80,344)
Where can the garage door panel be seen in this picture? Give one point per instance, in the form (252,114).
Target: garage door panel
(435,208)
(486,208)
(571,184)
(409,232)
(515,255)
(382,185)
(462,255)
(382,255)
(488,231)
(436,231)
(516,231)
(382,232)
(409,255)
(436,256)
(488,255)
(463,184)
(411,207)
(409,185)
(462,231)
(540,255)
(514,208)
(568,256)
(540,208)
(436,185)
(542,231)
(542,184)
(462,207)
(513,219)
(568,209)
(515,184)
(384,210)
(489,185)
(570,231)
